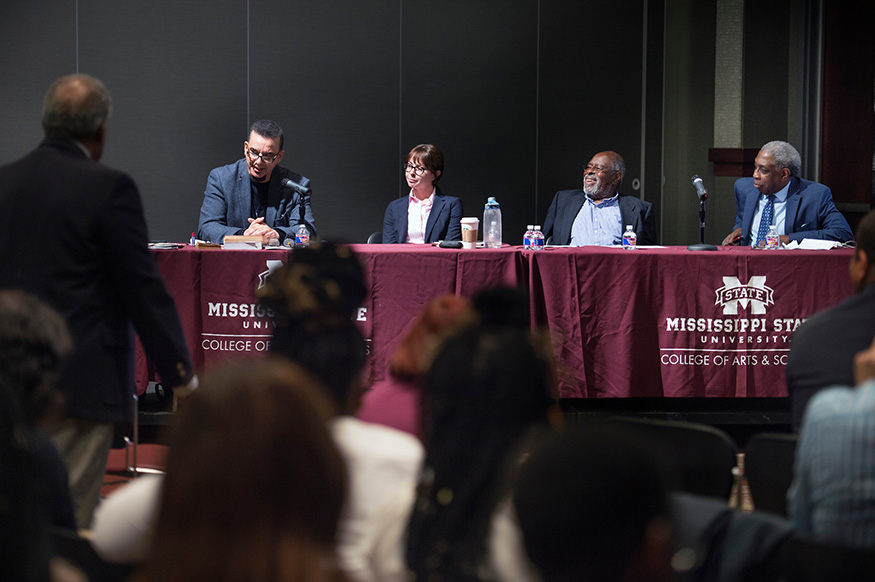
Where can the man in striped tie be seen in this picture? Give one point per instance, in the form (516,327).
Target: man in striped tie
(776,195)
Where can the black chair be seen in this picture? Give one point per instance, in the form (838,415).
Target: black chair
(375,238)
(701,457)
(807,560)
(768,467)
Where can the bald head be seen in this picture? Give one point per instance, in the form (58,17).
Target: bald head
(76,107)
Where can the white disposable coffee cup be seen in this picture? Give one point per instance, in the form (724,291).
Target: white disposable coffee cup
(469,232)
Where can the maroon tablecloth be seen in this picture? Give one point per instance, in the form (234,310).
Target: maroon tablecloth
(672,322)
(650,322)
(215,293)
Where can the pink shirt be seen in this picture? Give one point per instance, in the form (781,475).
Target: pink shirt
(417,217)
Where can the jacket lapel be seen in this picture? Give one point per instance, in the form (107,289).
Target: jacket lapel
(436,208)
(574,206)
(793,200)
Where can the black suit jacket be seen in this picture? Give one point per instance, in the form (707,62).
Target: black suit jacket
(567,203)
(822,350)
(72,232)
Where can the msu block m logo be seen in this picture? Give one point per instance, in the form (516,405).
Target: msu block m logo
(754,293)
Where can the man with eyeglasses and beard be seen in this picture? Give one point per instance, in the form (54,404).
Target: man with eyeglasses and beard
(253,196)
(598,214)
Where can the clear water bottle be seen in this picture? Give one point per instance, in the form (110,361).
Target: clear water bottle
(528,238)
(193,240)
(630,239)
(538,238)
(302,237)
(492,224)
(773,241)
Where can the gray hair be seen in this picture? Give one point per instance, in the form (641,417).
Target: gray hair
(785,156)
(75,107)
(618,164)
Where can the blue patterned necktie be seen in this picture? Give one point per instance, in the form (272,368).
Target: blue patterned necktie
(766,219)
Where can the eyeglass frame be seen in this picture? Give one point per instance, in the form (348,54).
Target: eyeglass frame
(418,170)
(253,155)
(599,169)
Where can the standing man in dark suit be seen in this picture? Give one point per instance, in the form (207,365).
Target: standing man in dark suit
(249,197)
(89,259)
(798,208)
(822,349)
(598,214)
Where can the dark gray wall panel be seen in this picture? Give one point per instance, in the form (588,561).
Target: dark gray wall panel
(591,83)
(469,86)
(177,73)
(37,45)
(328,74)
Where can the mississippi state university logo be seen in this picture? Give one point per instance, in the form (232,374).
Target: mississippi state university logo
(755,294)
(271,267)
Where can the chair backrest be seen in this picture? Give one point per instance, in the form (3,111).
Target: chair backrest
(807,560)
(376,237)
(768,467)
(702,457)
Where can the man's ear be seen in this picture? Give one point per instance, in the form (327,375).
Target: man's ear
(859,269)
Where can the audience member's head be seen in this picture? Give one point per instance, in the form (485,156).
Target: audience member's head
(485,392)
(313,299)
(33,342)
(863,262)
(417,349)
(592,506)
(505,307)
(255,484)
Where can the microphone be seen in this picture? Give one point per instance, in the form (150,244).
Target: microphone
(700,187)
(303,191)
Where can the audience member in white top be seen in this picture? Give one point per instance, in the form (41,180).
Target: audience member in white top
(487,397)
(313,299)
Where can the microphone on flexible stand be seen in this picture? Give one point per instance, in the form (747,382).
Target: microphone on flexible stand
(304,192)
(703,195)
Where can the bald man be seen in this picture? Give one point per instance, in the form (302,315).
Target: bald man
(598,214)
(72,232)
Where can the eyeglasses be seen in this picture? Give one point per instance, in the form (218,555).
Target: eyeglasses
(418,170)
(268,157)
(598,169)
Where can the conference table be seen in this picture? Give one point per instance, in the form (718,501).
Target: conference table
(655,321)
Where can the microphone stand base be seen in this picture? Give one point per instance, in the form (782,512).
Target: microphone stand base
(701,247)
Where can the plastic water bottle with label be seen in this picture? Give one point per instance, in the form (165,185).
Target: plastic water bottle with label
(528,238)
(492,224)
(630,239)
(773,241)
(538,240)
(302,237)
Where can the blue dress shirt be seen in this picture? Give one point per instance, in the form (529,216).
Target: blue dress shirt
(598,224)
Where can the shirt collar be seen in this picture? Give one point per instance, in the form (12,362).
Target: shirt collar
(83,148)
(429,200)
(610,201)
(781,194)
